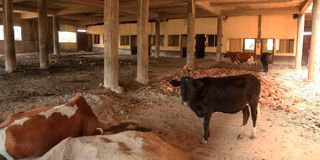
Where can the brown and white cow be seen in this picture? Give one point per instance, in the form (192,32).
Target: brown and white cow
(33,133)
(238,57)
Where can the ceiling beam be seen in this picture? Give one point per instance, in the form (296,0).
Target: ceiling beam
(93,3)
(304,7)
(17,8)
(273,11)
(205,5)
(78,10)
(15,1)
(249,2)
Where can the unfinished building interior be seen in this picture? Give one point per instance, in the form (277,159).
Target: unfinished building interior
(121,55)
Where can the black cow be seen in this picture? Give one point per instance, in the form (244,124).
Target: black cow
(224,94)
(265,58)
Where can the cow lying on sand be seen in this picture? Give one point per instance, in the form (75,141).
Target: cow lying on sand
(33,133)
(224,94)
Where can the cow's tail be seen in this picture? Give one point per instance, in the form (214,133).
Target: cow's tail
(105,123)
(112,126)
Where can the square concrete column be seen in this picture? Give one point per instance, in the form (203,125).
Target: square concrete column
(111,41)
(142,55)
(56,46)
(191,33)
(219,38)
(157,39)
(9,44)
(314,58)
(300,41)
(43,34)
(259,40)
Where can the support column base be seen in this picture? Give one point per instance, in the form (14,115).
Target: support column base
(10,70)
(44,67)
(117,89)
(142,81)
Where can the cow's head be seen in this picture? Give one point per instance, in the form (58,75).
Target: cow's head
(188,87)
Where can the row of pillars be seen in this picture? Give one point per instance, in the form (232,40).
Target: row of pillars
(314,56)
(9,42)
(111,28)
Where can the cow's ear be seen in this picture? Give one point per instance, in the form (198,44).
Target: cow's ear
(175,83)
(198,83)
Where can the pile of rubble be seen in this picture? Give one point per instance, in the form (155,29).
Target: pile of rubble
(273,93)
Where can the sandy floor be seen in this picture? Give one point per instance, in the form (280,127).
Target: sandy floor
(280,134)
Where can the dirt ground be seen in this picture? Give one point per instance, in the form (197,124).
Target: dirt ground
(290,133)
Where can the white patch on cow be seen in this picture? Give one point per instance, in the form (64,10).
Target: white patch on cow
(186,104)
(204,141)
(20,121)
(258,112)
(251,61)
(253,134)
(3,150)
(242,132)
(243,127)
(3,136)
(62,109)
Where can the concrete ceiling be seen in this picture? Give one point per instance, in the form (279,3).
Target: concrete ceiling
(88,12)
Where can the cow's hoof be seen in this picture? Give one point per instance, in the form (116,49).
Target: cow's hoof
(240,136)
(204,141)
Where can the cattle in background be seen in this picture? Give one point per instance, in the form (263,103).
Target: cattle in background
(223,94)
(238,57)
(265,59)
(33,133)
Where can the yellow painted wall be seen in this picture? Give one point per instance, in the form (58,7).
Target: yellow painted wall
(172,27)
(96,30)
(68,47)
(273,26)
(280,27)
(238,27)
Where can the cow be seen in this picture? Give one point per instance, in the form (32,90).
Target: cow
(265,58)
(222,94)
(32,133)
(238,57)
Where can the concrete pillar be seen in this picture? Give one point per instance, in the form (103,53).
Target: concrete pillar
(157,39)
(219,38)
(56,47)
(111,41)
(9,44)
(300,41)
(43,34)
(258,44)
(142,55)
(314,58)
(191,33)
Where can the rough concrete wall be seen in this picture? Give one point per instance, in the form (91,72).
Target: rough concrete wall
(27,44)
(68,47)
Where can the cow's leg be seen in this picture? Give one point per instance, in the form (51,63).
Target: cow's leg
(206,123)
(246,115)
(265,67)
(254,114)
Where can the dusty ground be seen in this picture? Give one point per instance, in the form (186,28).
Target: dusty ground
(289,132)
